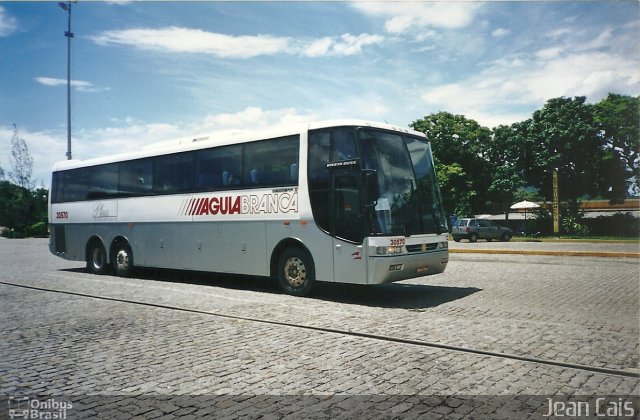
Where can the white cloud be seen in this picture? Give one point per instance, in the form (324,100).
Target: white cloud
(367,106)
(404,17)
(549,53)
(79,85)
(500,32)
(254,118)
(185,40)
(572,63)
(8,24)
(540,77)
(175,39)
(559,33)
(344,45)
(603,40)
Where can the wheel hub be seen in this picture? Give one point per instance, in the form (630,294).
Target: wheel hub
(122,259)
(295,272)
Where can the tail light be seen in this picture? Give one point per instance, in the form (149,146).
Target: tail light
(467,229)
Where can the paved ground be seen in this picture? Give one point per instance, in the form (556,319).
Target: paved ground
(607,247)
(198,344)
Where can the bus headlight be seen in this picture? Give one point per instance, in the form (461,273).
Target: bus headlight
(443,245)
(388,250)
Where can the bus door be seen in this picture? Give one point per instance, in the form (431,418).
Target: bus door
(349,262)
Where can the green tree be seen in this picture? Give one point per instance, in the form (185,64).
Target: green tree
(22,211)
(618,118)
(15,202)
(21,162)
(594,148)
(561,136)
(459,146)
(506,154)
(504,186)
(459,193)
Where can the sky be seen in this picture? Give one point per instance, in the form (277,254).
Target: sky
(145,72)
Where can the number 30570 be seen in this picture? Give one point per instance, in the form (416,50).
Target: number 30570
(62,215)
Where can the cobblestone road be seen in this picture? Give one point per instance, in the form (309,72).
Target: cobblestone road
(554,246)
(113,357)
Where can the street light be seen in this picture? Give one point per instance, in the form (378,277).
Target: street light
(67,8)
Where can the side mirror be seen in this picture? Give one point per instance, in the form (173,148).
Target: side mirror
(371,186)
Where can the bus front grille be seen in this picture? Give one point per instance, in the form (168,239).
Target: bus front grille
(421,247)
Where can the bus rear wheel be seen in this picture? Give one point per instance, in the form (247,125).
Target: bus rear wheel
(122,259)
(296,273)
(96,258)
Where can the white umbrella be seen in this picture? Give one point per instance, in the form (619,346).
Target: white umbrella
(524,205)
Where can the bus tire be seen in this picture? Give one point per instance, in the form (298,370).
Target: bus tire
(96,257)
(296,273)
(122,259)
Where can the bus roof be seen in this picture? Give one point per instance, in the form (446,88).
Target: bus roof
(224,138)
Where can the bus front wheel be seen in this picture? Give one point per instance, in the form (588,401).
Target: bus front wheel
(122,259)
(296,273)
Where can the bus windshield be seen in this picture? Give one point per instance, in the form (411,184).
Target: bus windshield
(409,199)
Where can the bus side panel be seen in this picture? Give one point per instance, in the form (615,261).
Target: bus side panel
(204,244)
(242,247)
(175,245)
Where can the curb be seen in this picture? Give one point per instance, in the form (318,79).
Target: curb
(553,253)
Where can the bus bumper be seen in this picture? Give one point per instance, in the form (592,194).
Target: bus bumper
(386,269)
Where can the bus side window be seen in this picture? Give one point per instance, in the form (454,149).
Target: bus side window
(136,177)
(208,177)
(57,187)
(229,161)
(228,179)
(104,181)
(267,163)
(76,184)
(217,168)
(173,173)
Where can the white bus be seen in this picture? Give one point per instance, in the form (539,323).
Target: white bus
(339,201)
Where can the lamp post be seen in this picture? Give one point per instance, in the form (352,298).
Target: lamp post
(67,8)
(556,204)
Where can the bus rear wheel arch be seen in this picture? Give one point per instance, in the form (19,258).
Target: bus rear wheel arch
(96,256)
(121,257)
(295,271)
